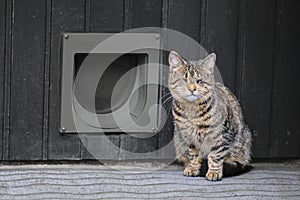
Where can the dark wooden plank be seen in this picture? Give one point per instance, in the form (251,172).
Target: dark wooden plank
(7,69)
(46,80)
(2,61)
(221,36)
(203,22)
(261,54)
(256,80)
(106,16)
(102,20)
(165,136)
(241,46)
(145,13)
(27,73)
(67,16)
(136,148)
(185,17)
(87,17)
(100,147)
(286,109)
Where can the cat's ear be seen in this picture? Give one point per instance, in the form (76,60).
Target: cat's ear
(175,60)
(209,62)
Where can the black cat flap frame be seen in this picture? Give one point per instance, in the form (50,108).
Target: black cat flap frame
(110,82)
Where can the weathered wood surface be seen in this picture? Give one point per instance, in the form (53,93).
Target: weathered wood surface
(256,78)
(220,35)
(140,14)
(257,43)
(102,21)
(286,112)
(27,79)
(67,16)
(266,181)
(2,55)
(173,14)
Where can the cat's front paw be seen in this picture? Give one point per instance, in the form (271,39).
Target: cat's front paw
(192,170)
(214,175)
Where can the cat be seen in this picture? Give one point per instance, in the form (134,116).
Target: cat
(209,123)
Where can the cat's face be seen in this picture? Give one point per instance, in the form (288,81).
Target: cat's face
(191,80)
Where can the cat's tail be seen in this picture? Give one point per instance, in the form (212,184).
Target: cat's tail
(228,169)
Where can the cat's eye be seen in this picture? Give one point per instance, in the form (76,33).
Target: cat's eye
(185,76)
(199,81)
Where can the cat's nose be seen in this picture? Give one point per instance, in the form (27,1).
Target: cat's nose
(192,88)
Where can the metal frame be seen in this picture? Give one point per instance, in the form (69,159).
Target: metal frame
(86,122)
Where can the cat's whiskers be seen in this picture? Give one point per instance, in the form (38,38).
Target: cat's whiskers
(168,93)
(167,99)
(169,107)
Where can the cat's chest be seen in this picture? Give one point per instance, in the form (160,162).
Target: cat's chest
(192,132)
(200,138)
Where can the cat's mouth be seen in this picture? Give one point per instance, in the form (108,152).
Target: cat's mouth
(192,97)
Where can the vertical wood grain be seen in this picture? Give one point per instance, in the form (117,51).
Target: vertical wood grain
(221,37)
(7,69)
(127,15)
(67,16)
(286,108)
(256,44)
(145,13)
(203,23)
(2,61)
(165,136)
(48,20)
(185,17)
(102,20)
(241,46)
(27,74)
(106,16)
(256,72)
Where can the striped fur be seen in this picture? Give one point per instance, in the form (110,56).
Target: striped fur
(209,122)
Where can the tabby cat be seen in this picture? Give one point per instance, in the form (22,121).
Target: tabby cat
(209,122)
